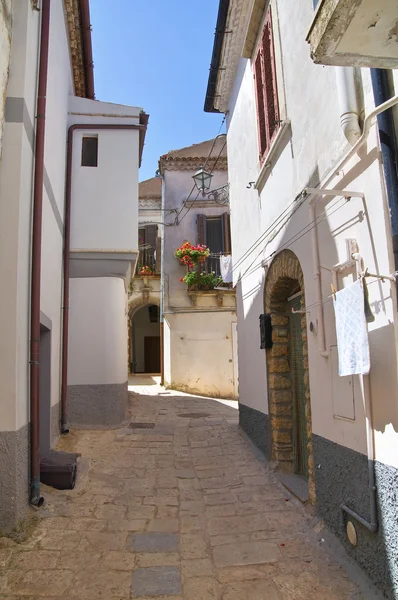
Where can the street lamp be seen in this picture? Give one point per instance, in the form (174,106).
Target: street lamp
(202,180)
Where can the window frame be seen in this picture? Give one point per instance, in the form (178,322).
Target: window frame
(267,98)
(85,155)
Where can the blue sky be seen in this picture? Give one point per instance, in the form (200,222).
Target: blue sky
(156,54)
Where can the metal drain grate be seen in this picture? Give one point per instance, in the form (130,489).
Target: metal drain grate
(141,425)
(197,415)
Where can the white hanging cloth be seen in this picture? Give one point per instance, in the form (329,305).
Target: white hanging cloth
(226,268)
(351,329)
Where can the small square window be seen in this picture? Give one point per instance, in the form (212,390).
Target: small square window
(90,152)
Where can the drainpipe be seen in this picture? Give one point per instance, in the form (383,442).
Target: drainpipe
(388,144)
(68,200)
(35,498)
(349,112)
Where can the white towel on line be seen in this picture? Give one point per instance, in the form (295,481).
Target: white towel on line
(351,330)
(226,268)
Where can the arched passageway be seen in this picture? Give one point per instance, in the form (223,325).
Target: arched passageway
(144,339)
(287,368)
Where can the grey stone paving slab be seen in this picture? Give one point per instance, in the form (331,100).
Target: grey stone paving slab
(247,553)
(154,542)
(156,581)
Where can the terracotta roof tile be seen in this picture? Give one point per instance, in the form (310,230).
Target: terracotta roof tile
(150,188)
(193,156)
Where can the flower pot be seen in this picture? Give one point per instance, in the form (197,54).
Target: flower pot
(201,259)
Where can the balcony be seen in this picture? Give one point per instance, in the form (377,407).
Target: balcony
(362,33)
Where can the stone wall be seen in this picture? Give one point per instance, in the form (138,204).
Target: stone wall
(284,279)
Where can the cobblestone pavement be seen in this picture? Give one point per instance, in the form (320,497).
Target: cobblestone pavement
(184,510)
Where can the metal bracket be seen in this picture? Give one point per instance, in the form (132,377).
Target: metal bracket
(325,192)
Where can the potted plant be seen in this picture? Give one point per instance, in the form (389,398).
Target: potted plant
(190,256)
(196,280)
(146,271)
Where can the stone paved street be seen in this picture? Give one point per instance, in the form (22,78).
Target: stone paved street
(183,510)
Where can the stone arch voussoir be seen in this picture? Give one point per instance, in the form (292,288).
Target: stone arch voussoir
(285,278)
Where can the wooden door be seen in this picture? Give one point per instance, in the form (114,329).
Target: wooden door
(152,354)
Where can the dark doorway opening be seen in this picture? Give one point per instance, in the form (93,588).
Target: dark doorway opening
(145,340)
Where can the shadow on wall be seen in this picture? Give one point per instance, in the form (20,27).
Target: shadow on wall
(341,473)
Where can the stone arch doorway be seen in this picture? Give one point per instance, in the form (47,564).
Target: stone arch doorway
(287,368)
(144,337)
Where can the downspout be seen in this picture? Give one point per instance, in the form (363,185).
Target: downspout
(388,144)
(35,498)
(67,230)
(349,111)
(349,120)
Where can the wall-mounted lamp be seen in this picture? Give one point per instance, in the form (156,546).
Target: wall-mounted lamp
(202,180)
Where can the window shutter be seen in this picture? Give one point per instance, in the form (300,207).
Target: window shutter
(226,231)
(201,222)
(158,255)
(270,89)
(151,232)
(258,80)
(266,89)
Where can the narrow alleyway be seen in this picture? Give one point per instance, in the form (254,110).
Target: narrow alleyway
(181,507)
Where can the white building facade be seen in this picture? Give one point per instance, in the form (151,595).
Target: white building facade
(292,130)
(199,325)
(76,249)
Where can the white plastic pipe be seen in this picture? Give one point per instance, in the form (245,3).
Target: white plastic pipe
(318,286)
(349,111)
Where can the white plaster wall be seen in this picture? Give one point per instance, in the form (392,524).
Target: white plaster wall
(104,213)
(105,199)
(16,180)
(201,353)
(315,145)
(5,52)
(59,87)
(198,350)
(97,332)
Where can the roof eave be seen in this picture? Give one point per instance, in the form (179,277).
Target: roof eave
(87,48)
(144,118)
(216,56)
